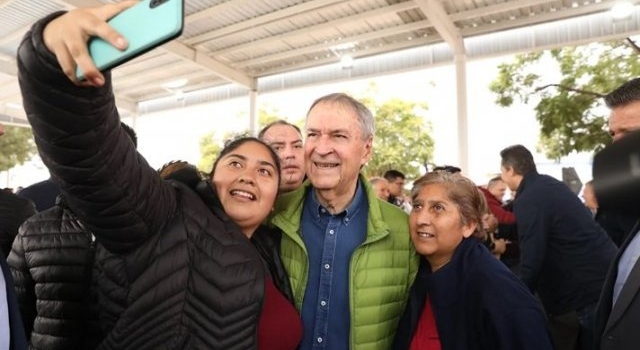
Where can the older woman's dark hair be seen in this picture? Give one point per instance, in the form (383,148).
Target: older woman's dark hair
(235,143)
(461,191)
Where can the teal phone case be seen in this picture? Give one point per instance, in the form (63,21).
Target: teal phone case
(145,25)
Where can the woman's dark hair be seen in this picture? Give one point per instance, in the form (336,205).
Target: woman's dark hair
(235,143)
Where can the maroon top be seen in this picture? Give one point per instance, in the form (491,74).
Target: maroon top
(280,327)
(426,335)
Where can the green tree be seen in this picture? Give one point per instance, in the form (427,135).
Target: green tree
(210,145)
(402,140)
(209,150)
(568,106)
(16,146)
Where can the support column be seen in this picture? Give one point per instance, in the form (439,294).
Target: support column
(460,60)
(253,112)
(134,120)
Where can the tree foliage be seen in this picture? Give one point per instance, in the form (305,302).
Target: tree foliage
(568,101)
(402,140)
(211,144)
(16,146)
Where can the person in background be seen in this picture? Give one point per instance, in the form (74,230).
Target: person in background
(618,311)
(448,168)
(494,193)
(463,298)
(348,254)
(589,197)
(43,194)
(564,254)
(198,270)
(14,210)
(286,139)
(381,187)
(53,264)
(182,171)
(11,330)
(496,188)
(616,225)
(396,189)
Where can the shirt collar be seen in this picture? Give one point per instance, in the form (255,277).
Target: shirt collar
(351,210)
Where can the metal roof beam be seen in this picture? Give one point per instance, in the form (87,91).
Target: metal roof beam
(369,52)
(200,58)
(126,104)
(9,67)
(187,53)
(434,11)
(222,7)
(16,34)
(539,19)
(260,20)
(404,28)
(497,8)
(402,6)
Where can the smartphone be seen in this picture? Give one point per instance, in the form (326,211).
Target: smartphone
(145,25)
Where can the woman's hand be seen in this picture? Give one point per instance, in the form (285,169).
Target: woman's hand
(67,36)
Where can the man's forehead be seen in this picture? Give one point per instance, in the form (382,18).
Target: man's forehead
(281,133)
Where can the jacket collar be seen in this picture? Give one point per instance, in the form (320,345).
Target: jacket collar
(288,211)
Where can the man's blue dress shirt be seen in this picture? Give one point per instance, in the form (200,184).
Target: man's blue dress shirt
(330,241)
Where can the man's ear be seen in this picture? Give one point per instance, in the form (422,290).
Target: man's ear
(368,151)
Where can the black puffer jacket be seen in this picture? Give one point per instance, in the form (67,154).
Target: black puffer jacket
(51,263)
(193,280)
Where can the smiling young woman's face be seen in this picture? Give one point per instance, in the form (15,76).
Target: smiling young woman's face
(246,180)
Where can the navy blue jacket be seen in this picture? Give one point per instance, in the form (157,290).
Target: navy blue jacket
(18,339)
(564,253)
(478,304)
(43,194)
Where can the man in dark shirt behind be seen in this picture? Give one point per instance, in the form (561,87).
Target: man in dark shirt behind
(564,254)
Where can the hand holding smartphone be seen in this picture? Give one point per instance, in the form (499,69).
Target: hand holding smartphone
(146,26)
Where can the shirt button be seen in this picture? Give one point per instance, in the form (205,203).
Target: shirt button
(327,266)
(319,340)
(323,210)
(346,219)
(330,232)
(323,303)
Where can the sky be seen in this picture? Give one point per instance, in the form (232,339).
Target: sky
(175,134)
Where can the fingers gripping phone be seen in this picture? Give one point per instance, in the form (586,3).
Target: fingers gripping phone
(146,26)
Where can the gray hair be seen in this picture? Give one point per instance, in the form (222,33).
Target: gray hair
(364,114)
(461,191)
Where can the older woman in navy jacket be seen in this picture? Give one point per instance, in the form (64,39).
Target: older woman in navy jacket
(463,298)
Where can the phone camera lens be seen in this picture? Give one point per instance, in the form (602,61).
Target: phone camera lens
(156,3)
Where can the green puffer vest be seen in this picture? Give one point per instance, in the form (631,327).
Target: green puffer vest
(382,269)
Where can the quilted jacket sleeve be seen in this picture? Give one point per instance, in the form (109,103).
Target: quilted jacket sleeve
(23,283)
(110,187)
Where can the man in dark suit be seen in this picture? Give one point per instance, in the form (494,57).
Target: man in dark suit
(618,311)
(564,254)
